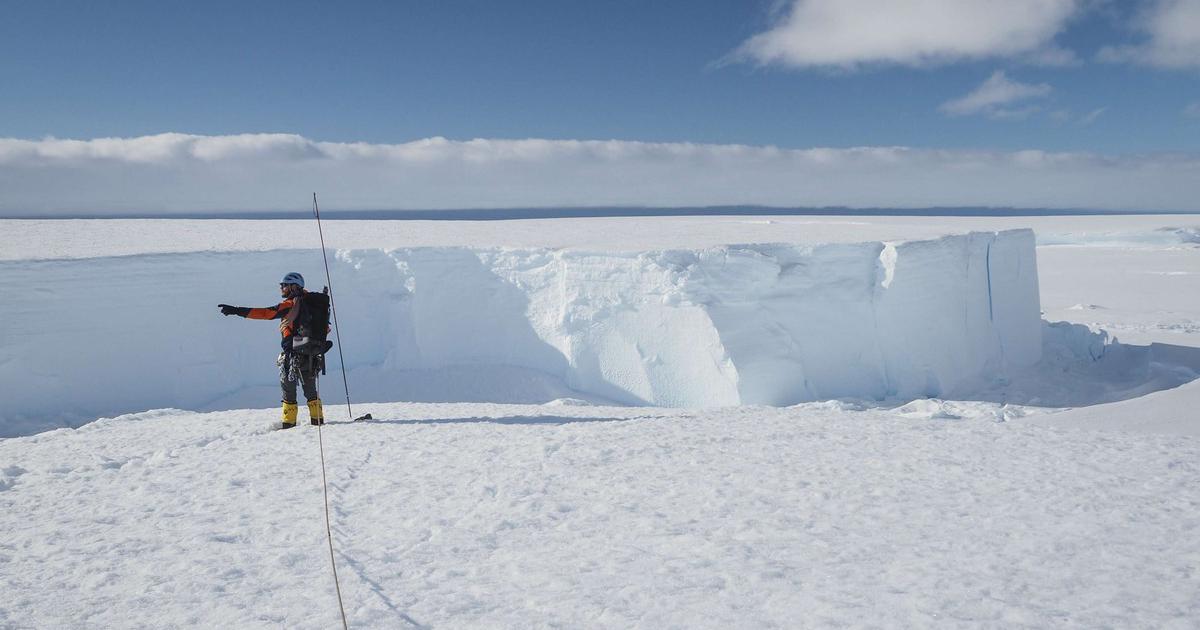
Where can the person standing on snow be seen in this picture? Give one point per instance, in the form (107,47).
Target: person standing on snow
(304,323)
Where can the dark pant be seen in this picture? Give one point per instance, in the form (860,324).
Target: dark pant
(309,368)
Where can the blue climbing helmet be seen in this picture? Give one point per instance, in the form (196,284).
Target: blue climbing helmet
(293,278)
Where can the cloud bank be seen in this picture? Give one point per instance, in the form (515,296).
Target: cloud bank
(176,173)
(850,33)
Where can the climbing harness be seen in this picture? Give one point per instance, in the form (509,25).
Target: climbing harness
(289,368)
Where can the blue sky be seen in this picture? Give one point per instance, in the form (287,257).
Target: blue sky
(632,70)
(1114,79)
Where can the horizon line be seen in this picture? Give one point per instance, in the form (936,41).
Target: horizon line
(570,212)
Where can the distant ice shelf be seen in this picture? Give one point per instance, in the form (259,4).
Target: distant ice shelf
(773,324)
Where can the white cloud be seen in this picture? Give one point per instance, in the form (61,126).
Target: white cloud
(993,95)
(850,33)
(1013,113)
(173,173)
(1065,116)
(1091,116)
(1172,30)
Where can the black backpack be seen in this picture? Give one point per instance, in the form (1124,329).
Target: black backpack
(312,324)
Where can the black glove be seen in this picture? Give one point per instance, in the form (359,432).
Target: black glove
(240,311)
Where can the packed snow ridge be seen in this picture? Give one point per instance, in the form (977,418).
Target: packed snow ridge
(773,324)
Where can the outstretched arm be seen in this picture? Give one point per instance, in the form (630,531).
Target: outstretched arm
(279,311)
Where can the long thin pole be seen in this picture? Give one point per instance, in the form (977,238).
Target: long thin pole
(337,332)
(320,438)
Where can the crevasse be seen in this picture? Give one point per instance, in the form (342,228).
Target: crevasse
(772,324)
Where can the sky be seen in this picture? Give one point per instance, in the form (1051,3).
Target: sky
(181,107)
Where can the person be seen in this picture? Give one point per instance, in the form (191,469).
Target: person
(294,366)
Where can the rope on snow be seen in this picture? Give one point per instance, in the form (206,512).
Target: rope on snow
(320,437)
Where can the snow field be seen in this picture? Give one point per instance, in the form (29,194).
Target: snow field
(474,516)
(29,239)
(736,324)
(921,513)
(1138,294)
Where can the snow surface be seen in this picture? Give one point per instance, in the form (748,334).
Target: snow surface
(1064,494)
(32,239)
(504,516)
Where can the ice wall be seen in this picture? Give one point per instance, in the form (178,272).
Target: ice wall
(768,324)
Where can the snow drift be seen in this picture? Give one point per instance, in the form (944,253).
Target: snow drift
(772,324)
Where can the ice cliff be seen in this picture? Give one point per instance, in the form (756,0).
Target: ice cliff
(740,324)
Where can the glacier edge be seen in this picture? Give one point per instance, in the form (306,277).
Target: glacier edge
(773,324)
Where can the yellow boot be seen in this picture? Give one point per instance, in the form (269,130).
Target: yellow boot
(289,415)
(315,413)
